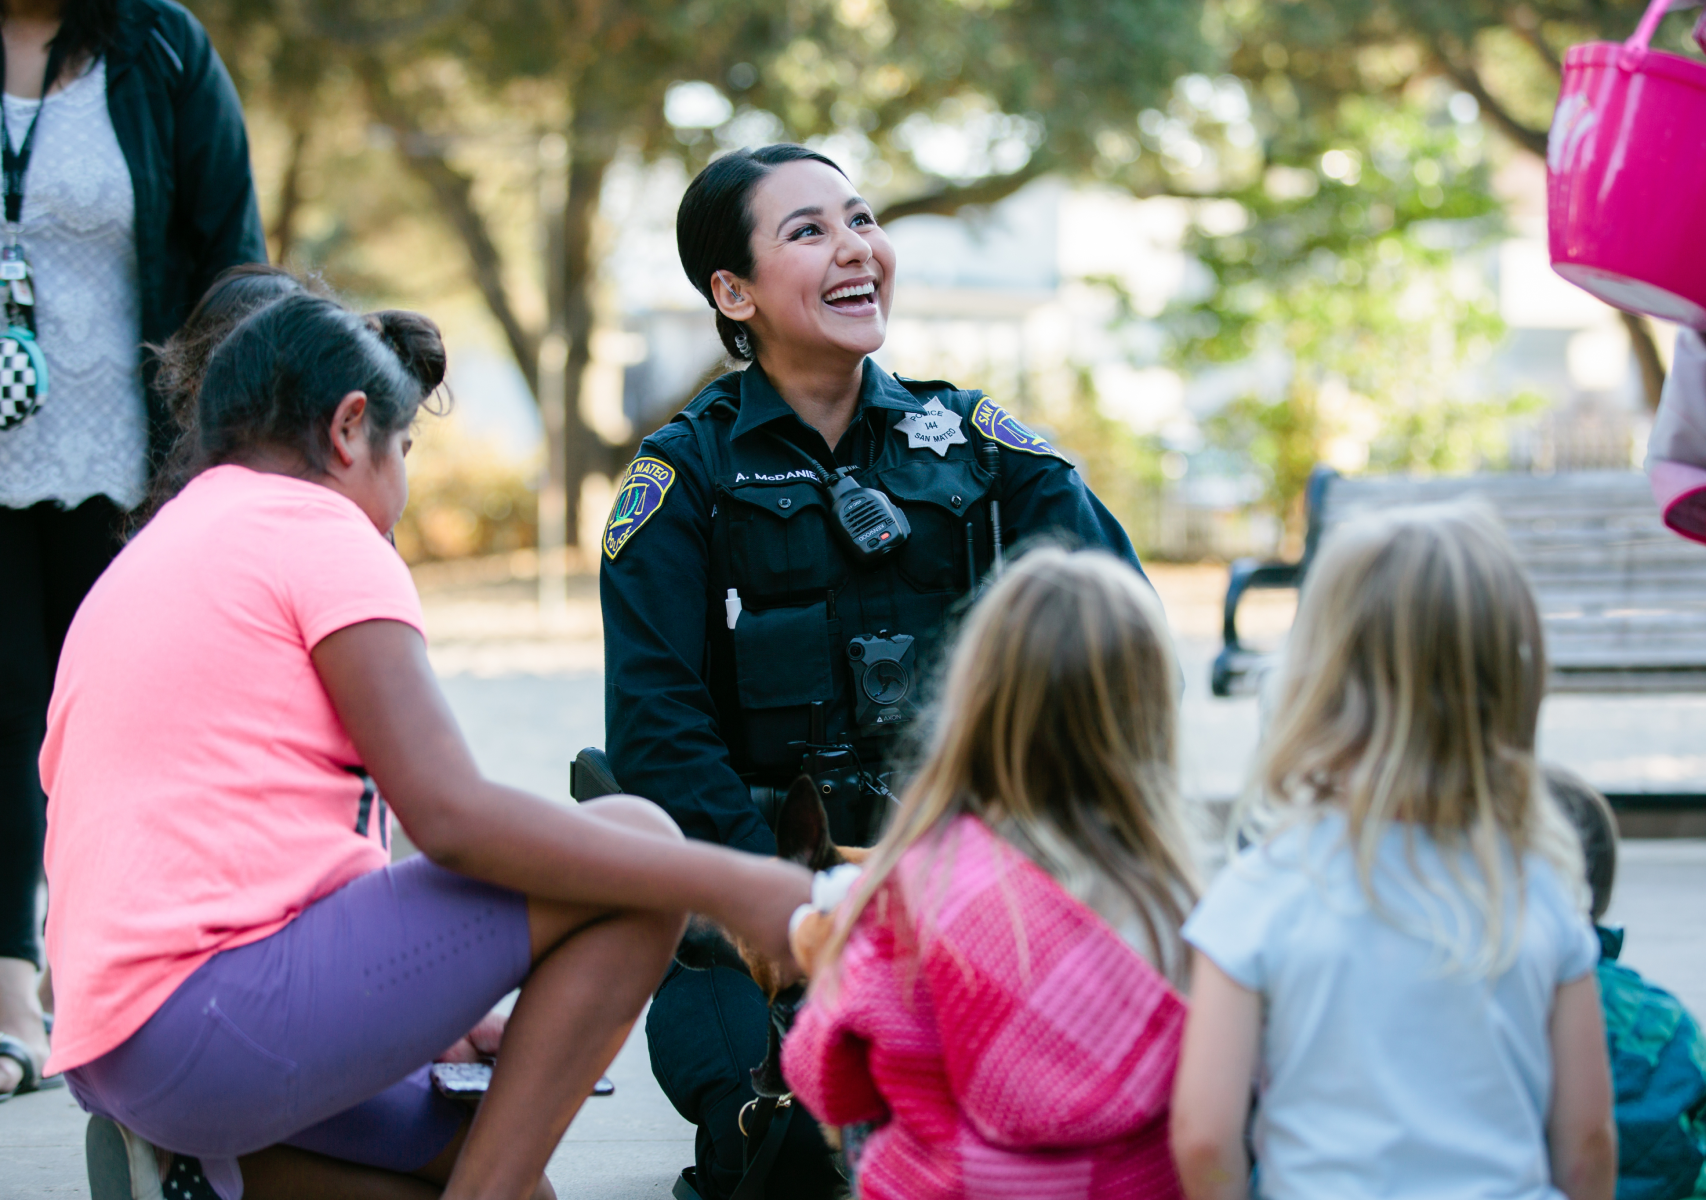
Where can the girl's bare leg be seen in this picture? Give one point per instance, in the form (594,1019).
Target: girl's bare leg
(286,1173)
(592,976)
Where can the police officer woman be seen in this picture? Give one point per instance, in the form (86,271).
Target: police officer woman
(780,564)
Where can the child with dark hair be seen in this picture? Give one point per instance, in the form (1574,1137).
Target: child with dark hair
(1658,1056)
(250,991)
(181,362)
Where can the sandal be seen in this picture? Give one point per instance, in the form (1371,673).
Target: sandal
(14,1049)
(125,1166)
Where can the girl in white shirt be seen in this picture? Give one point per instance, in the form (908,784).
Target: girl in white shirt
(1401,958)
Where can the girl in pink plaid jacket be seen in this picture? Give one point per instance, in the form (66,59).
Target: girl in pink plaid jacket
(997,1010)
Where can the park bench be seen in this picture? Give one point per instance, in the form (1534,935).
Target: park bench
(1622,598)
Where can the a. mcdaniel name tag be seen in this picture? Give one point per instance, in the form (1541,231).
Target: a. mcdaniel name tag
(936,428)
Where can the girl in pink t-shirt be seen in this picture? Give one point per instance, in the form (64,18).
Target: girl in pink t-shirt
(241,974)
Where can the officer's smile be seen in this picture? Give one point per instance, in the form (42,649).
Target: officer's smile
(858,298)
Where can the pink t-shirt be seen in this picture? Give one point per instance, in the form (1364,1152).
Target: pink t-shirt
(198,779)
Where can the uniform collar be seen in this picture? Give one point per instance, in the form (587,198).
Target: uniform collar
(761,403)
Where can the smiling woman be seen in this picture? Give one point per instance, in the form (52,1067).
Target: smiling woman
(779,574)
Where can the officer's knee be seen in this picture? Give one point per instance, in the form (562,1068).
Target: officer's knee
(634,813)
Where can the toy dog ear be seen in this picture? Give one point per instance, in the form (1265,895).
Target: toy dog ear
(802,828)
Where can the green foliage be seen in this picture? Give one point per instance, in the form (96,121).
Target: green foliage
(1122,467)
(1354,260)
(1283,439)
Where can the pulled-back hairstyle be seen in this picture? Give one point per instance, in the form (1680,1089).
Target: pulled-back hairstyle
(713,226)
(181,362)
(1409,695)
(276,380)
(1057,723)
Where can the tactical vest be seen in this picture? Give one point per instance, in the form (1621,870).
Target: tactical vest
(782,677)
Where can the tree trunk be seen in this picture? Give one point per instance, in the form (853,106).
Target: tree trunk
(283,234)
(1646,349)
(454,193)
(591,150)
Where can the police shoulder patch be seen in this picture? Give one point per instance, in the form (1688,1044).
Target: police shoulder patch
(639,494)
(996,424)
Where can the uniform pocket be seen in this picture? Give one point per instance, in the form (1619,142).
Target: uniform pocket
(782,665)
(939,496)
(782,656)
(779,542)
(227,1096)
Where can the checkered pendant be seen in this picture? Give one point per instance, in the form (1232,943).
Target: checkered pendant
(23,377)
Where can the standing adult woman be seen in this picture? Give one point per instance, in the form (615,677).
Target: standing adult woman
(779,569)
(127,190)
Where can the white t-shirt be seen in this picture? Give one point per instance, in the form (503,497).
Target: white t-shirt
(1385,1071)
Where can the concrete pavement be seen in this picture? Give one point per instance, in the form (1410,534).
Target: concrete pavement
(529,694)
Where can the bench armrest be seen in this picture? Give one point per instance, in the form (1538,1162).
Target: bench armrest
(1247,573)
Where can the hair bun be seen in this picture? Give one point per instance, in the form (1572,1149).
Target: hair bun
(416,342)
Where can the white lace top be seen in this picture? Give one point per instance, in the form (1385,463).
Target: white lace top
(79,232)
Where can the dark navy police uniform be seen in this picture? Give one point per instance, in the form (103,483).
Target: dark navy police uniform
(731,613)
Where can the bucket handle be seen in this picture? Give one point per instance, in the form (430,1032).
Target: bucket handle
(1635,49)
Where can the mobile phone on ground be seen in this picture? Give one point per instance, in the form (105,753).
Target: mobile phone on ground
(469,1081)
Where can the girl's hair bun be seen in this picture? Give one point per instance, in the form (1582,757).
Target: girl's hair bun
(416,342)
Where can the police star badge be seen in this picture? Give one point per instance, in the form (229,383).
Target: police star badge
(936,427)
(638,496)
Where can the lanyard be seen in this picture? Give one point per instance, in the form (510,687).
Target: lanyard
(17,162)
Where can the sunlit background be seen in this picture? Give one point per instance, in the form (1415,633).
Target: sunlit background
(1205,247)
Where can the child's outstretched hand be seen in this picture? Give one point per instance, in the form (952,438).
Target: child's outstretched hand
(810,927)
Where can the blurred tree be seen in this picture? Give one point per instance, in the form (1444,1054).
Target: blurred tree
(1350,263)
(940,103)
(1304,57)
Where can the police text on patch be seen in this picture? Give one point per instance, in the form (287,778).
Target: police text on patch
(994,423)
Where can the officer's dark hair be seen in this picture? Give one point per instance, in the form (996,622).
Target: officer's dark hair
(713,226)
(276,381)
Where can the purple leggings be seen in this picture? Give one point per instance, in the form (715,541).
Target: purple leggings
(321,1035)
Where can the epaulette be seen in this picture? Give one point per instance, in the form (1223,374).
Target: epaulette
(925,385)
(722,392)
(959,399)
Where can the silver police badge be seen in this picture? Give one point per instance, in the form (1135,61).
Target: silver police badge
(936,428)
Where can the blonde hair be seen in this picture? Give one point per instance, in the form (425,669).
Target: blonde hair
(1409,695)
(1057,719)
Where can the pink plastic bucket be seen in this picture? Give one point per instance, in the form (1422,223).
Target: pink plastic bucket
(1626,176)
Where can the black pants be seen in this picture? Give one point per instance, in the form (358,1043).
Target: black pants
(49,559)
(706,1030)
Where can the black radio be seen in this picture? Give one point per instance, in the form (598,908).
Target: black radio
(867,522)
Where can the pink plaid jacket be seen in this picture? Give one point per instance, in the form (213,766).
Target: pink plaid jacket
(1037,1068)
